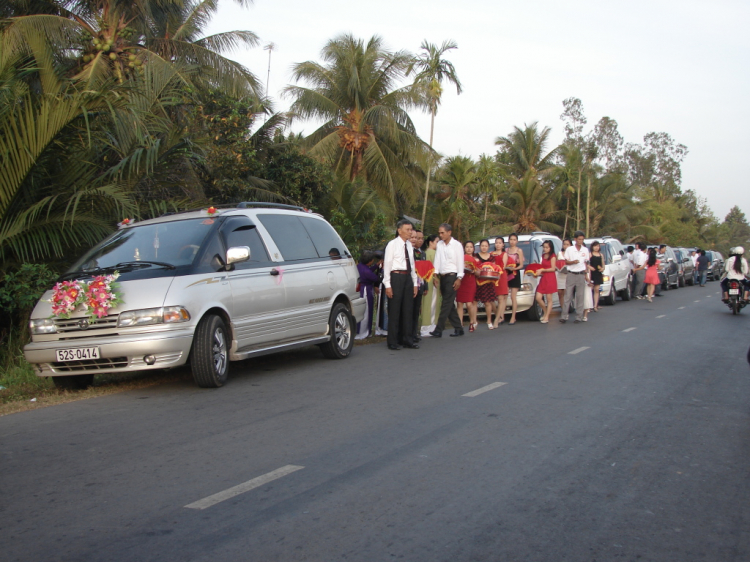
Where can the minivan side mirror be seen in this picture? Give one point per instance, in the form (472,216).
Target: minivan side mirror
(237,254)
(616,258)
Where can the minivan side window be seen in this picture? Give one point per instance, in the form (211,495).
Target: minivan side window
(240,231)
(290,236)
(326,240)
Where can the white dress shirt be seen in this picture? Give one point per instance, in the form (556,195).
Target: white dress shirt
(449,258)
(573,254)
(395,259)
(639,258)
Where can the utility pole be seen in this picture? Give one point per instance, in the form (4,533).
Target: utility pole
(270,47)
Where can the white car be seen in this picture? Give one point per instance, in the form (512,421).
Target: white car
(205,287)
(531,245)
(617,270)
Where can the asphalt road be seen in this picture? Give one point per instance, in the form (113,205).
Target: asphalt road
(637,447)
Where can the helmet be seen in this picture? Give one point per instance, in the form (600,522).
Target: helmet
(739,250)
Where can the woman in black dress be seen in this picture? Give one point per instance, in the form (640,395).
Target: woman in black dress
(596,266)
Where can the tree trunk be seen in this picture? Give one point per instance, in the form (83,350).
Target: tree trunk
(429,169)
(588,204)
(567,214)
(486,207)
(578,205)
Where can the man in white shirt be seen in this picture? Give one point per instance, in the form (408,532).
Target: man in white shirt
(449,267)
(640,257)
(694,258)
(577,260)
(400,281)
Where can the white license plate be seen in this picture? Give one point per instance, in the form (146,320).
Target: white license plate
(734,291)
(77,354)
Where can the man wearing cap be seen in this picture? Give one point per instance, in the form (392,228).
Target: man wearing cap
(577,259)
(400,281)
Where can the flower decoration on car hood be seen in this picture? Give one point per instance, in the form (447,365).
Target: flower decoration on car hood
(96,297)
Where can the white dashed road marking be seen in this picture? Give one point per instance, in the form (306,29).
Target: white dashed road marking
(487,388)
(662,316)
(681,308)
(577,351)
(697,301)
(244,487)
(629,329)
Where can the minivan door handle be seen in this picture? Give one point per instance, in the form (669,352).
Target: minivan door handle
(274,271)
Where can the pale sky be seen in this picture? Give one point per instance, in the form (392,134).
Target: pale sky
(678,66)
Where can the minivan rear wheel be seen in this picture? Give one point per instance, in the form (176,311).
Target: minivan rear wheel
(73,382)
(341,329)
(210,356)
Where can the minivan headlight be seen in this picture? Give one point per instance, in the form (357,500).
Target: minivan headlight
(43,326)
(163,315)
(605,278)
(526,287)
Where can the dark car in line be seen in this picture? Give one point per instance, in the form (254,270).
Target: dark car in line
(668,268)
(685,266)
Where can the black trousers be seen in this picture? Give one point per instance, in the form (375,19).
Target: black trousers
(448,312)
(416,328)
(400,310)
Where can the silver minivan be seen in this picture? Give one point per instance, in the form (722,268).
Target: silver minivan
(205,287)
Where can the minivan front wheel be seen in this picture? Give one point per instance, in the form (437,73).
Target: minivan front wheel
(210,357)
(341,329)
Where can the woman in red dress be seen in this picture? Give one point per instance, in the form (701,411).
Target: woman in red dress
(547,285)
(652,274)
(486,289)
(468,289)
(501,289)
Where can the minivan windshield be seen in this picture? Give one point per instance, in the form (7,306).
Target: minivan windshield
(165,244)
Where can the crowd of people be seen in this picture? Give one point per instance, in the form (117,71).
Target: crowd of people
(417,286)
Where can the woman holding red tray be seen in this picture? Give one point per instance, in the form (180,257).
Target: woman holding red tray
(547,285)
(467,291)
(501,289)
(486,288)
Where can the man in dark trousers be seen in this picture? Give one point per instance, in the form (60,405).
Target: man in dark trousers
(449,267)
(400,281)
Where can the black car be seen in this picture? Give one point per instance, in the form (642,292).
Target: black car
(715,265)
(686,267)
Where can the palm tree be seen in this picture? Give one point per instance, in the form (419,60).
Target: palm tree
(96,119)
(457,182)
(366,132)
(98,40)
(431,71)
(489,185)
(524,151)
(530,205)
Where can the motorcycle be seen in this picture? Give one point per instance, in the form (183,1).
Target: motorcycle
(735,302)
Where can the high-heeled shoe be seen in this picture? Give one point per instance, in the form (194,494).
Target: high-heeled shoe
(471,327)
(490,326)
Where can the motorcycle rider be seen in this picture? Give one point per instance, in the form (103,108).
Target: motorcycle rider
(735,268)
